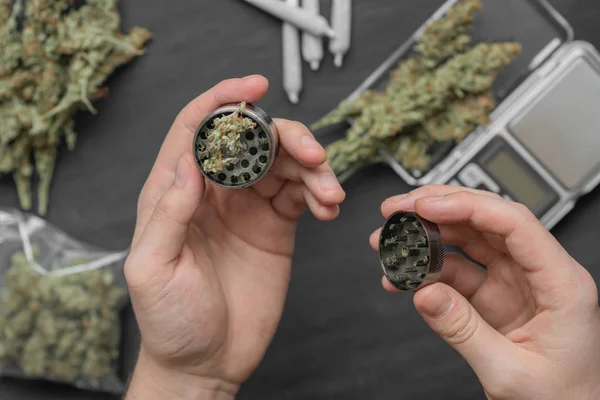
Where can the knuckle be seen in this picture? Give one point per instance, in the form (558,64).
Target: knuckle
(462,327)
(493,194)
(464,196)
(432,187)
(129,269)
(506,383)
(588,290)
(142,199)
(428,190)
(161,211)
(127,266)
(523,210)
(481,192)
(298,127)
(221,86)
(166,212)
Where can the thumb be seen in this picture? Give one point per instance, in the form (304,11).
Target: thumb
(455,320)
(165,234)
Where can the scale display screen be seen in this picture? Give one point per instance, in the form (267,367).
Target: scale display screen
(517,180)
(499,168)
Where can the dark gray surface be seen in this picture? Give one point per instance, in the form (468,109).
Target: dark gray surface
(341,335)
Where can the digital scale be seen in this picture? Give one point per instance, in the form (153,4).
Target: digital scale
(542,148)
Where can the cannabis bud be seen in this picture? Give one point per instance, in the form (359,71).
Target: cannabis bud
(63,328)
(411,251)
(55,60)
(236,145)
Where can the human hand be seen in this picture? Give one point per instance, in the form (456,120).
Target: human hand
(209,267)
(529,325)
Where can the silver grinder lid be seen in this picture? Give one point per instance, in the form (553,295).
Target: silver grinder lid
(261,148)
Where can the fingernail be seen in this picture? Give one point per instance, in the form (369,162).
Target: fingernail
(182,173)
(328,181)
(309,141)
(432,199)
(249,77)
(437,303)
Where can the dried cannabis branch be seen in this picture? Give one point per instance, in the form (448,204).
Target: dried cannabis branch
(52,67)
(440,93)
(441,39)
(225,144)
(472,72)
(459,119)
(60,327)
(448,35)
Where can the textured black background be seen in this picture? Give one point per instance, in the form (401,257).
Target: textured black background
(342,336)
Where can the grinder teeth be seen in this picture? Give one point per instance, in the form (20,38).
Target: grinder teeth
(410,251)
(392,262)
(391,241)
(414,228)
(422,263)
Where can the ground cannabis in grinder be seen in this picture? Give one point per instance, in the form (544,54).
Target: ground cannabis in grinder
(440,93)
(224,140)
(60,327)
(54,59)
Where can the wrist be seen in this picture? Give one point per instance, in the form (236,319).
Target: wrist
(151,381)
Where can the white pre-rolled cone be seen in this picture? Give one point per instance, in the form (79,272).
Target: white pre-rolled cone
(292,60)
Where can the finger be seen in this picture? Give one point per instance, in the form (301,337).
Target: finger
(406,202)
(374,239)
(162,240)
(180,137)
(496,242)
(299,142)
(320,211)
(546,264)
(389,287)
(269,186)
(462,275)
(290,202)
(471,242)
(459,273)
(305,151)
(321,180)
(453,318)
(293,199)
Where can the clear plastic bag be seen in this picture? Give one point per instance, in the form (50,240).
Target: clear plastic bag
(60,306)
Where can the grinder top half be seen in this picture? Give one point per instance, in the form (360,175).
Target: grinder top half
(411,251)
(236,145)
